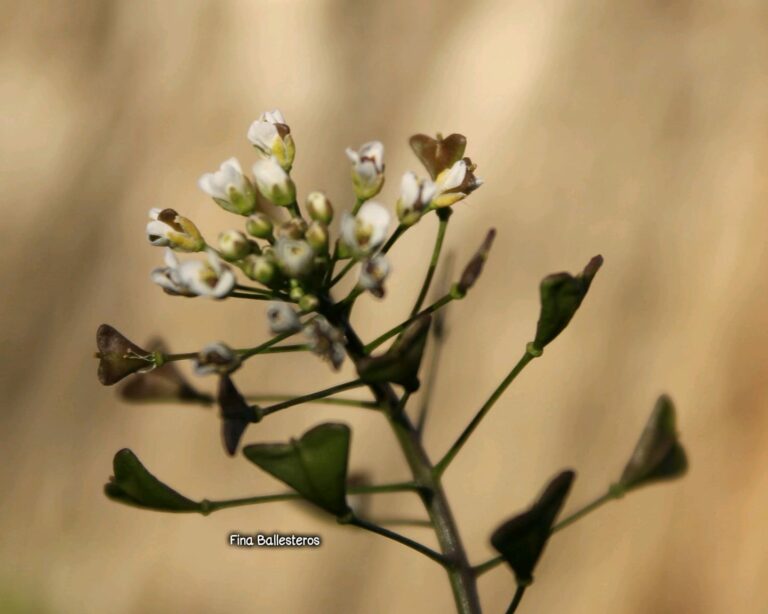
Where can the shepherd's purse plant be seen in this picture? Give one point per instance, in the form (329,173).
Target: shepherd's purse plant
(288,257)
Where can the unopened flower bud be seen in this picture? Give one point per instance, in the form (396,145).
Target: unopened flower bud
(319,207)
(365,232)
(259,268)
(274,183)
(282,318)
(260,226)
(367,169)
(230,189)
(168,228)
(317,236)
(373,273)
(272,137)
(308,303)
(475,266)
(292,229)
(415,197)
(295,258)
(296,292)
(216,358)
(234,245)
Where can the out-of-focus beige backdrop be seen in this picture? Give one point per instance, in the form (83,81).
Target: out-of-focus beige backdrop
(634,129)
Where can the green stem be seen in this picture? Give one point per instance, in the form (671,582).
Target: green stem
(310,397)
(402,539)
(244,352)
(577,515)
(335,257)
(465,435)
(568,520)
(260,349)
(343,272)
(213,506)
(433,263)
(293,209)
(286,397)
(516,599)
(431,379)
(462,579)
(403,325)
(399,231)
(254,290)
(251,296)
(404,522)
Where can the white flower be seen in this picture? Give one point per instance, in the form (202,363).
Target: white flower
(282,318)
(168,228)
(415,197)
(168,277)
(212,278)
(455,183)
(367,169)
(373,273)
(294,257)
(365,232)
(325,341)
(272,137)
(274,183)
(216,358)
(230,188)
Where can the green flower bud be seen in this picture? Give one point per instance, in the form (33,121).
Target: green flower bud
(234,245)
(308,302)
(319,207)
(317,236)
(259,268)
(260,226)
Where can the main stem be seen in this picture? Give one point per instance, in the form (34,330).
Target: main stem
(460,573)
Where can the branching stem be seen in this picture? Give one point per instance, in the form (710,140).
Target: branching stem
(213,506)
(465,435)
(402,539)
(443,225)
(320,394)
(403,325)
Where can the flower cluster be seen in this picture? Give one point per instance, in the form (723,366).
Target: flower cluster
(288,250)
(291,254)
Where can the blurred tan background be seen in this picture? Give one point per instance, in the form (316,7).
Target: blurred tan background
(634,129)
